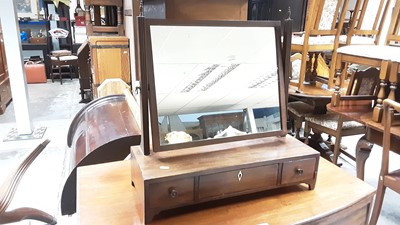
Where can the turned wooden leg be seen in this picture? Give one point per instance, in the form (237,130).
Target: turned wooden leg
(309,67)
(383,77)
(297,125)
(363,150)
(306,133)
(20,214)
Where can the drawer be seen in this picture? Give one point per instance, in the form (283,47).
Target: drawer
(240,180)
(298,170)
(171,193)
(5,91)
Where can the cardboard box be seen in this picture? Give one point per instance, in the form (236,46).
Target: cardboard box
(35,72)
(41,40)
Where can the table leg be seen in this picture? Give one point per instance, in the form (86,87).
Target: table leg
(363,150)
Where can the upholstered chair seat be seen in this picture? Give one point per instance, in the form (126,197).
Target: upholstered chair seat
(65,58)
(357,40)
(330,121)
(319,40)
(371,51)
(298,110)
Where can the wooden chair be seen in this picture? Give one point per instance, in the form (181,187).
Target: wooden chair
(374,56)
(386,178)
(9,187)
(324,23)
(362,83)
(366,23)
(112,19)
(60,59)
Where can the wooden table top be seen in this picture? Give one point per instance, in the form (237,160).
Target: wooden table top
(317,90)
(105,196)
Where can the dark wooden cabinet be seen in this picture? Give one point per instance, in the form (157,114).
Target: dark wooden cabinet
(278,10)
(5,89)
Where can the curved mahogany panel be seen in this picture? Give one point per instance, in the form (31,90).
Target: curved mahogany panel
(102,131)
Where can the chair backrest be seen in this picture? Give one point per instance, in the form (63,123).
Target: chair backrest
(368,19)
(113,20)
(324,17)
(390,109)
(364,82)
(393,35)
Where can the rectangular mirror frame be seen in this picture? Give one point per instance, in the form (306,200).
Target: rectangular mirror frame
(150,92)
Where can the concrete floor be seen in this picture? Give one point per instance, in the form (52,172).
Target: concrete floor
(53,106)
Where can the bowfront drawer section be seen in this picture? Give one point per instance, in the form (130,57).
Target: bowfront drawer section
(171,193)
(298,170)
(219,184)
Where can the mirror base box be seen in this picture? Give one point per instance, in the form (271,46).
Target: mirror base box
(186,177)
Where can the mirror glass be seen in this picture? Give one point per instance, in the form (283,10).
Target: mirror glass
(213,82)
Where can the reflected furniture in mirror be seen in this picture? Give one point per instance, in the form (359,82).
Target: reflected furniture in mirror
(387,179)
(217,106)
(362,87)
(9,187)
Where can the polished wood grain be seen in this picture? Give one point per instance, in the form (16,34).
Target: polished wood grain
(105,196)
(102,131)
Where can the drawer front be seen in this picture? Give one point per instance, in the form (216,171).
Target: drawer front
(5,91)
(219,184)
(171,193)
(298,170)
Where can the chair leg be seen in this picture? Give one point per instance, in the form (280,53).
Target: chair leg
(51,74)
(306,133)
(59,73)
(297,124)
(336,149)
(25,213)
(380,194)
(70,72)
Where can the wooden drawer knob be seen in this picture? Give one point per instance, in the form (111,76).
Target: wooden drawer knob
(173,192)
(299,171)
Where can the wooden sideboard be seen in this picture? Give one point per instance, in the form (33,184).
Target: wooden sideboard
(109,59)
(5,89)
(106,196)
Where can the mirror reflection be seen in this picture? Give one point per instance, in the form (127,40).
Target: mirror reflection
(214,82)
